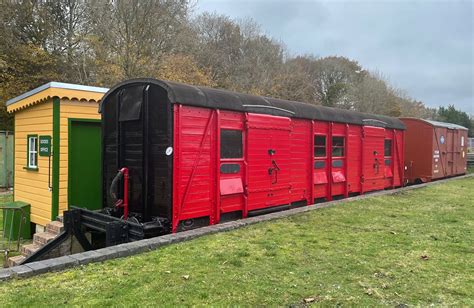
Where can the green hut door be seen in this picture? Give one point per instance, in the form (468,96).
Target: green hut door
(85,177)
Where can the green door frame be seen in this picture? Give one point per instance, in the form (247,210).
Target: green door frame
(69,126)
(56,157)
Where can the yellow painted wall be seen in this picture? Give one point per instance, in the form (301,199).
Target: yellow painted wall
(76,110)
(32,186)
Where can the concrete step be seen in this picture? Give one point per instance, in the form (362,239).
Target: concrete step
(16,260)
(42,238)
(28,250)
(55,227)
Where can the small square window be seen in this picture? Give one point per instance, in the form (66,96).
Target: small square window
(388,147)
(320,141)
(320,152)
(337,141)
(319,146)
(231,143)
(337,152)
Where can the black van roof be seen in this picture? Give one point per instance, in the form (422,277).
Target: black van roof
(179,93)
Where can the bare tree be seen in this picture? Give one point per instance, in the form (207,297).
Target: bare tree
(131,36)
(71,27)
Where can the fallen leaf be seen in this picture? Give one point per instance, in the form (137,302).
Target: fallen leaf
(424,257)
(186,277)
(309,300)
(168,272)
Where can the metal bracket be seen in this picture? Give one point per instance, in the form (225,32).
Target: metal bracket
(116,233)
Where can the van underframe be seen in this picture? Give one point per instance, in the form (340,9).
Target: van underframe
(79,221)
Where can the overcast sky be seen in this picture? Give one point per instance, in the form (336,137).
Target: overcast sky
(423,47)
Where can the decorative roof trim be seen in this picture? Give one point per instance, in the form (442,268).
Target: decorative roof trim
(58,85)
(56,89)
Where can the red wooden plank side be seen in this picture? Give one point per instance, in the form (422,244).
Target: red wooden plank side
(300,146)
(373,164)
(268,159)
(200,188)
(354,147)
(194,153)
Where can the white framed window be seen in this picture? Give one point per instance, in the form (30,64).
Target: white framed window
(462,141)
(32,152)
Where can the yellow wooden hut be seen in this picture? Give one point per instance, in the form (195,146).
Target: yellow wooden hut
(57,148)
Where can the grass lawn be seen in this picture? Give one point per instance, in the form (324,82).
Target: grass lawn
(414,248)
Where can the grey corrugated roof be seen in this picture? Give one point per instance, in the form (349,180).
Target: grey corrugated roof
(60,85)
(444,124)
(438,123)
(227,100)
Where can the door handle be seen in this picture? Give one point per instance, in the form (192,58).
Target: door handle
(275,165)
(274,168)
(376,165)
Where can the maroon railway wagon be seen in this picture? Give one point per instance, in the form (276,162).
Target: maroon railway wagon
(197,156)
(434,150)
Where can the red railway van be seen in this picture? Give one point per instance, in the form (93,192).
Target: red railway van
(199,156)
(434,150)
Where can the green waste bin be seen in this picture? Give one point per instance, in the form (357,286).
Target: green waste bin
(12,215)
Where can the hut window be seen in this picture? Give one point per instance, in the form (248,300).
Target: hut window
(33,151)
(388,147)
(337,146)
(231,143)
(319,146)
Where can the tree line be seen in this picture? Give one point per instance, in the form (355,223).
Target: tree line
(102,42)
